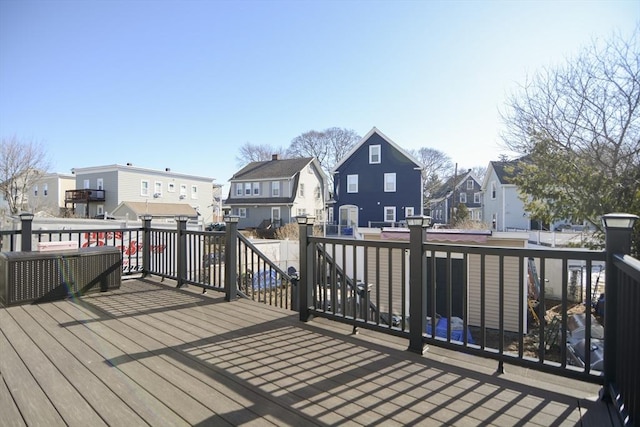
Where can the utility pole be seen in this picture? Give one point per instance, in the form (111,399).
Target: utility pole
(453,194)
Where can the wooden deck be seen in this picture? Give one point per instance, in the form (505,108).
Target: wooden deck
(150,354)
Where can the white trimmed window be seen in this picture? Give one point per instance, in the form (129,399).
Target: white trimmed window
(352,183)
(409,211)
(35,190)
(183,191)
(157,191)
(469,184)
(238,189)
(144,187)
(45,190)
(389,214)
(463,197)
(390,182)
(171,187)
(374,154)
(301,189)
(275,189)
(256,188)
(476,197)
(194,191)
(100,183)
(247,188)
(494,190)
(242,212)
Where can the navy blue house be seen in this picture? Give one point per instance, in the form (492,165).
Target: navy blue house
(377,184)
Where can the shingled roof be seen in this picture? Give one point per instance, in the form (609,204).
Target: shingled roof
(271,169)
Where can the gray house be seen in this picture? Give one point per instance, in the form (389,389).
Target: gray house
(272,193)
(502,207)
(463,189)
(101,190)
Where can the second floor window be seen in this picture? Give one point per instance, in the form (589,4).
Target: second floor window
(494,190)
(301,190)
(463,197)
(183,191)
(171,187)
(256,188)
(35,190)
(247,189)
(352,183)
(389,214)
(476,197)
(374,154)
(157,191)
(100,184)
(238,189)
(45,190)
(144,188)
(275,189)
(389,182)
(194,191)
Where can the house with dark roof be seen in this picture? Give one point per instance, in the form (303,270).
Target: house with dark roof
(463,189)
(502,207)
(377,184)
(272,193)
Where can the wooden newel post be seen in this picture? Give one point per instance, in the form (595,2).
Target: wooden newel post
(305,283)
(618,227)
(231,258)
(26,231)
(146,244)
(181,250)
(417,283)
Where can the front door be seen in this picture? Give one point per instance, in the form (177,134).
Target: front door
(275,216)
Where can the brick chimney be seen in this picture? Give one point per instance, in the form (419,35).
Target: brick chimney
(274,157)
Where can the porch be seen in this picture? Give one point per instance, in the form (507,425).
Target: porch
(153,354)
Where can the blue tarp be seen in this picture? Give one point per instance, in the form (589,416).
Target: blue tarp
(441,330)
(265,279)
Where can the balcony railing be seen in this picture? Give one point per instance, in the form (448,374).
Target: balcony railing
(473,299)
(84,195)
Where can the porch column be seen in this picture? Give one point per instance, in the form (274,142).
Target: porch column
(231,258)
(181,251)
(26,231)
(618,228)
(417,283)
(146,244)
(305,283)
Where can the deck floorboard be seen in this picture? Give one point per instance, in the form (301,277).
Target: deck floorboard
(151,354)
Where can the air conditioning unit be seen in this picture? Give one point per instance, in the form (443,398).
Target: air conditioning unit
(156,195)
(182,196)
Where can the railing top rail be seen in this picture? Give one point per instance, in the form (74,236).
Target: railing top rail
(265,258)
(628,265)
(354,242)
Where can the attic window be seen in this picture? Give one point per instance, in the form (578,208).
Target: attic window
(374,154)
(469,184)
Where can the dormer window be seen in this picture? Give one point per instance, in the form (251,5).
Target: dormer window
(374,154)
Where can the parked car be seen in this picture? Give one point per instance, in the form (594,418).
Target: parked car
(216,226)
(102,216)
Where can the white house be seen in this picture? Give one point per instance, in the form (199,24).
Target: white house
(48,193)
(502,206)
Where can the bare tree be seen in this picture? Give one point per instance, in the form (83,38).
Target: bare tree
(22,163)
(437,167)
(249,152)
(309,144)
(579,126)
(328,146)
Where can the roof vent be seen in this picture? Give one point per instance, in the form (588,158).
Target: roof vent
(167,169)
(129,164)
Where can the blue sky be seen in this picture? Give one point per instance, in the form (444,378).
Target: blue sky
(183,84)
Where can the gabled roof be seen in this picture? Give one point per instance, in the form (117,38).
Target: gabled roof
(452,182)
(383,136)
(157,209)
(505,170)
(272,169)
